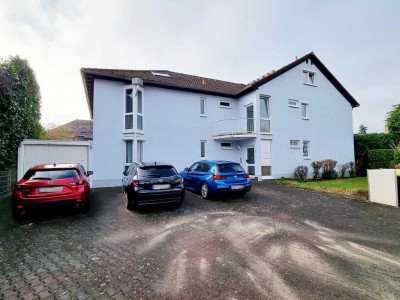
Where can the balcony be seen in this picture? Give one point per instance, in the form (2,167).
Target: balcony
(233,129)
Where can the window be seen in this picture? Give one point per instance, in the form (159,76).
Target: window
(203,149)
(140,151)
(295,144)
(128,109)
(83,131)
(308,77)
(202,106)
(293,103)
(225,104)
(139,110)
(128,154)
(226,145)
(265,122)
(160,74)
(306,149)
(304,110)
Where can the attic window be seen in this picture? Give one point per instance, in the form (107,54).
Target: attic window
(160,74)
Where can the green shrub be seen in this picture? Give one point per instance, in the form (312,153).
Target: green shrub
(371,141)
(351,168)
(342,170)
(380,159)
(396,157)
(328,169)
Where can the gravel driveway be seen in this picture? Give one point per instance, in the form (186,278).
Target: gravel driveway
(276,243)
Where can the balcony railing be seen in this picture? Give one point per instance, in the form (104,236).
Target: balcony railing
(234,128)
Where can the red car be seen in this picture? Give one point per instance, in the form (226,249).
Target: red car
(51,185)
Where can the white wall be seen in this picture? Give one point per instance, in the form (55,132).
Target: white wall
(173,127)
(108,146)
(329,128)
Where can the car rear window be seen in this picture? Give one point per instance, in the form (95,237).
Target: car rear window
(52,174)
(157,171)
(228,168)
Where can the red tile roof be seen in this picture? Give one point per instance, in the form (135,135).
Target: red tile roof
(205,85)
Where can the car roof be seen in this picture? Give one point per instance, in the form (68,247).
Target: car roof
(217,162)
(56,166)
(153,163)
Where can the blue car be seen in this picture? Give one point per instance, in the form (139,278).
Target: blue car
(210,177)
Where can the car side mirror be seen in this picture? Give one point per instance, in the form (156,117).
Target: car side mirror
(186,169)
(88,173)
(124,172)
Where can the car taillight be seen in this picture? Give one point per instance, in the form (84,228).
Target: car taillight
(134,183)
(79,182)
(23,188)
(219,177)
(246,176)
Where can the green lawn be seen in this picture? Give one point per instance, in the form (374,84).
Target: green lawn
(350,186)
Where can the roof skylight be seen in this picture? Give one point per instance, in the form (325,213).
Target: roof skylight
(160,74)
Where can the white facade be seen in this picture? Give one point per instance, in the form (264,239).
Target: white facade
(174,126)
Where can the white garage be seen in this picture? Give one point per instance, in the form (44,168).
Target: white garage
(35,152)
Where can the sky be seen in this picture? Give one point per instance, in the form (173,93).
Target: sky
(238,41)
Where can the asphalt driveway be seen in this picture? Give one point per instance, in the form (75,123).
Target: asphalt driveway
(276,243)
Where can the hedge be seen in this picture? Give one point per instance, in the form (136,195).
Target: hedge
(371,141)
(383,159)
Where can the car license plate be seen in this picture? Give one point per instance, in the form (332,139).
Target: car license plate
(50,189)
(161,186)
(237,187)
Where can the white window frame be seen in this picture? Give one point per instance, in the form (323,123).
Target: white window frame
(225,101)
(139,151)
(268,119)
(307,79)
(136,107)
(230,147)
(306,105)
(308,149)
(203,106)
(203,142)
(292,144)
(126,163)
(295,104)
(125,114)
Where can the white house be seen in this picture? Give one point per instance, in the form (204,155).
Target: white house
(286,118)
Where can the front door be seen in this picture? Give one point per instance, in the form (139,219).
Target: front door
(250,161)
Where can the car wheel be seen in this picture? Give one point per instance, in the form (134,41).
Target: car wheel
(180,200)
(17,214)
(85,207)
(204,190)
(242,194)
(131,204)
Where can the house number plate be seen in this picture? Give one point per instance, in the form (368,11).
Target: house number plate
(161,186)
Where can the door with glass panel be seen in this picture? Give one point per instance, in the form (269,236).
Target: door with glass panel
(250,118)
(250,161)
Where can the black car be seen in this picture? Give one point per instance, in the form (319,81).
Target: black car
(152,183)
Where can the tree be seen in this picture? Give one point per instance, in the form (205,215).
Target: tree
(393,124)
(362,129)
(19,107)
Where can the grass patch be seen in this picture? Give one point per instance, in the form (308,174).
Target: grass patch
(356,187)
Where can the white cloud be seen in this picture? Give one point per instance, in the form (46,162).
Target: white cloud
(229,40)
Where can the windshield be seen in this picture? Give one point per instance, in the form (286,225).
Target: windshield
(51,174)
(228,168)
(157,171)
